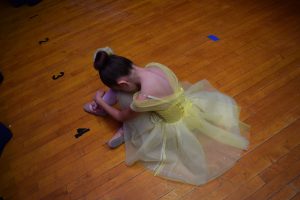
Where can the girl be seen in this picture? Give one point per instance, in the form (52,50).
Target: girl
(187,133)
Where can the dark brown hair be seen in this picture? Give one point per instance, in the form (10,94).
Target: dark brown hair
(111,67)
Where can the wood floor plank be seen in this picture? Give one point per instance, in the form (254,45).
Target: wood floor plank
(285,193)
(98,185)
(297,197)
(275,184)
(152,187)
(260,158)
(245,190)
(281,165)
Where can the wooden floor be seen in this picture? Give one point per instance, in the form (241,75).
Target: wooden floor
(256,60)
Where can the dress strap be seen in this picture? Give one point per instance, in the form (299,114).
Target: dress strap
(150,97)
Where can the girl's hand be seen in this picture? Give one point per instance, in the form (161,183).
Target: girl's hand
(99,94)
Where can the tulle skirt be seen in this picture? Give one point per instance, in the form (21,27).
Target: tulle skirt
(199,147)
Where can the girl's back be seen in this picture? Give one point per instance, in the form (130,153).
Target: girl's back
(156,83)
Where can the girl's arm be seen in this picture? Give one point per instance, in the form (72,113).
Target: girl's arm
(119,115)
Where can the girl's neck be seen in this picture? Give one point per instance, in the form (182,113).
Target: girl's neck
(137,74)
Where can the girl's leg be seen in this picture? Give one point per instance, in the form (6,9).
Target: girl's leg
(117,139)
(109,97)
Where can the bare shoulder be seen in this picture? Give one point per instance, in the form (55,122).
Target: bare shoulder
(156,70)
(156,84)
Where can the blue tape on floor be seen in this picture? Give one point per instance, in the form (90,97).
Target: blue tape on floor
(213,37)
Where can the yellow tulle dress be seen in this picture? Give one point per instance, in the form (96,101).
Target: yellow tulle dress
(191,136)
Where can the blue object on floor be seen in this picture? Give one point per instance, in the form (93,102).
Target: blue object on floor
(213,37)
(5,136)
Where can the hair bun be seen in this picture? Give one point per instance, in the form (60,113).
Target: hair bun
(100,60)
